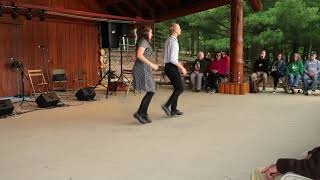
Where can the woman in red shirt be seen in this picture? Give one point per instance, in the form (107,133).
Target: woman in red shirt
(217,69)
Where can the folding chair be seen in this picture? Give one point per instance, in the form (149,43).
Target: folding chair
(126,79)
(79,78)
(59,77)
(160,76)
(37,79)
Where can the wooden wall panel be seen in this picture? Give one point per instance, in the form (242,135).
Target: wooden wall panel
(71,45)
(10,46)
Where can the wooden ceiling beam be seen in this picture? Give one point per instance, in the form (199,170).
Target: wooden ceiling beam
(120,10)
(190,8)
(146,4)
(162,4)
(105,3)
(134,8)
(256,5)
(177,3)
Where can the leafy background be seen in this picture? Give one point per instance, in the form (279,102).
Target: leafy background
(283,26)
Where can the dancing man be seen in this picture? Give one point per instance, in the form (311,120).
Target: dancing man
(172,67)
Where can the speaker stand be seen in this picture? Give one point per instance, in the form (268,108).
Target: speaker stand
(109,74)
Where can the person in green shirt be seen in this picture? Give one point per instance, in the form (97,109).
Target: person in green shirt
(294,71)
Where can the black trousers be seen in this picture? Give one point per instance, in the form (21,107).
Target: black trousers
(173,74)
(213,79)
(276,76)
(143,109)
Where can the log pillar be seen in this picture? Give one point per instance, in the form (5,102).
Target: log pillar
(236,42)
(237,85)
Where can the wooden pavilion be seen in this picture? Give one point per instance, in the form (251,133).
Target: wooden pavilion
(71,31)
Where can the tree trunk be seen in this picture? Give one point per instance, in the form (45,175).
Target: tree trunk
(305,52)
(310,48)
(198,40)
(192,41)
(295,47)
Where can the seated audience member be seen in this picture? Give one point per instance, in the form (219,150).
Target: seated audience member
(311,73)
(294,71)
(260,71)
(277,70)
(199,69)
(217,69)
(208,58)
(226,58)
(308,167)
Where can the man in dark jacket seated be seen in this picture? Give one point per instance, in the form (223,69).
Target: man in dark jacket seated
(308,167)
(260,71)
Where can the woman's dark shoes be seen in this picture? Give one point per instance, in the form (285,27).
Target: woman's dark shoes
(176,113)
(166,110)
(140,118)
(292,91)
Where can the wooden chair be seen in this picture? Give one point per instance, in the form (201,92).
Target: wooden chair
(188,66)
(79,78)
(126,79)
(160,76)
(59,77)
(37,79)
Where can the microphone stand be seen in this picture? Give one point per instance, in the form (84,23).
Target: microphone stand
(22,85)
(46,61)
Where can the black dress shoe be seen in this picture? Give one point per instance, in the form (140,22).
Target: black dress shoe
(166,110)
(146,118)
(140,118)
(176,112)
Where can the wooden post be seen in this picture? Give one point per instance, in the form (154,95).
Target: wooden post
(236,42)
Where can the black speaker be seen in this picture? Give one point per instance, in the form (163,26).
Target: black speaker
(6,107)
(123,29)
(86,94)
(109,35)
(47,100)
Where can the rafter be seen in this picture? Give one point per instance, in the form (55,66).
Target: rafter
(105,3)
(189,8)
(146,4)
(133,7)
(162,4)
(120,10)
(256,5)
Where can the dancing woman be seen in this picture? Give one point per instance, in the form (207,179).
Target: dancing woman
(142,73)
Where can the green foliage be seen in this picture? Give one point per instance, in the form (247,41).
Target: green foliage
(286,25)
